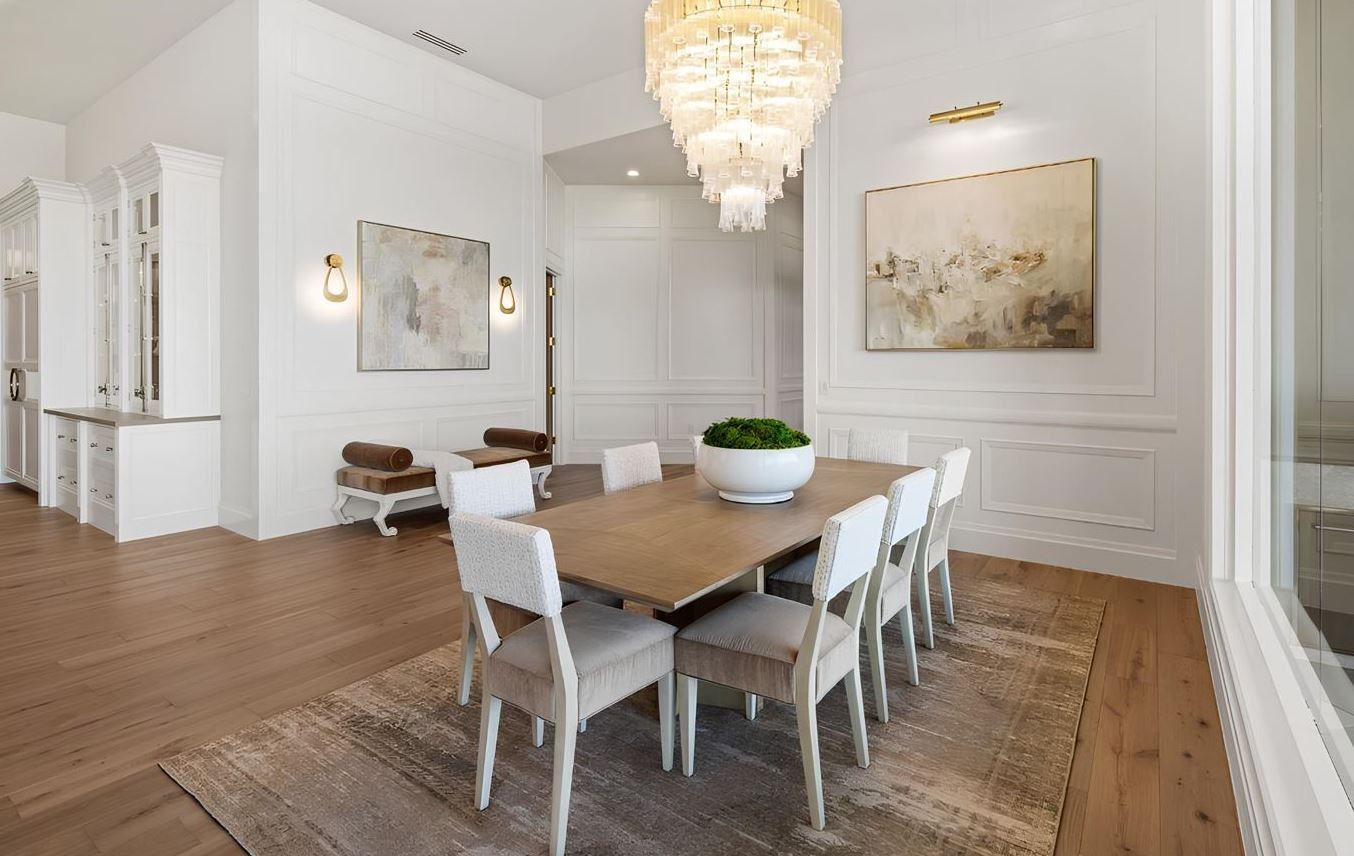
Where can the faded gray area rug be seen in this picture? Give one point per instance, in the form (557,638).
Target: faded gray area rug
(974,762)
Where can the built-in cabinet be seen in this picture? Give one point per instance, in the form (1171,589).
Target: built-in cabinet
(112,299)
(41,257)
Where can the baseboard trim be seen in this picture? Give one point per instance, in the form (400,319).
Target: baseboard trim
(1290,801)
(239,521)
(1135,561)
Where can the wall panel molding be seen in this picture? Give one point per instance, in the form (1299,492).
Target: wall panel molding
(1037,474)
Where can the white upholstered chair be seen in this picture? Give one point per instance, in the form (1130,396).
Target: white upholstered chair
(572,663)
(890,589)
(503,491)
(787,650)
(934,553)
(628,467)
(877,445)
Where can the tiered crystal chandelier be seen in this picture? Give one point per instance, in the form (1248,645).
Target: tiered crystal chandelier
(743,82)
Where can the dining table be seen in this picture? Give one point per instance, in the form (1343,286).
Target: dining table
(675,547)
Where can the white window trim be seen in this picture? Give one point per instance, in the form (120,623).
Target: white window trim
(1290,799)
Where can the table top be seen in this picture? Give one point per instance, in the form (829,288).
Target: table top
(665,545)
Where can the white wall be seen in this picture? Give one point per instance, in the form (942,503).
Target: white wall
(1084,459)
(667,324)
(357,125)
(202,94)
(601,110)
(30,147)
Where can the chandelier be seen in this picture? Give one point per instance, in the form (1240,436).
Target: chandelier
(742,82)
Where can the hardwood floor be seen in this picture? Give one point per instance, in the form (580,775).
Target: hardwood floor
(113,657)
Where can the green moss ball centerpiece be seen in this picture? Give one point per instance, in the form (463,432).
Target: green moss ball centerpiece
(755,461)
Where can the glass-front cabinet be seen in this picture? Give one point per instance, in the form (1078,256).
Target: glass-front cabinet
(1311,355)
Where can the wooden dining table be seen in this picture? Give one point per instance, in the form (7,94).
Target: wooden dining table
(675,547)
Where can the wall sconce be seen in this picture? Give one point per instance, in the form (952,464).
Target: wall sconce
(507,301)
(963,114)
(335,291)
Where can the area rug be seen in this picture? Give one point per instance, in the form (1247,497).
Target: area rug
(974,762)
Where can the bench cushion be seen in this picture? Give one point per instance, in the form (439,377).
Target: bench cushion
(382,482)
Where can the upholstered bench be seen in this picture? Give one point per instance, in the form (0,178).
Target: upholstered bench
(388,478)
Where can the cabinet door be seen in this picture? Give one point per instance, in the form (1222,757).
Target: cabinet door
(30,245)
(13,311)
(30,433)
(9,249)
(13,426)
(30,324)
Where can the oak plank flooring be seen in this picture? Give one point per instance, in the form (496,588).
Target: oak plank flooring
(112,657)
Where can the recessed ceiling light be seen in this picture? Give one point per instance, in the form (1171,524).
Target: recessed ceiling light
(634,173)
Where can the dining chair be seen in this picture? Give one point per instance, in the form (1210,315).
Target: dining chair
(877,445)
(890,590)
(934,553)
(503,491)
(628,467)
(874,445)
(573,662)
(787,651)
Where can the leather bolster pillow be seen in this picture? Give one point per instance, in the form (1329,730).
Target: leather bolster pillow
(375,456)
(516,438)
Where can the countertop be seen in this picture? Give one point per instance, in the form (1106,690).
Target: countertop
(118,418)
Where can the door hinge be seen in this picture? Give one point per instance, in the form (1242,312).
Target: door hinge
(550,390)
(551,341)
(550,291)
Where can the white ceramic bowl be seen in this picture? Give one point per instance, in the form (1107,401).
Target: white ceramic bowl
(756,476)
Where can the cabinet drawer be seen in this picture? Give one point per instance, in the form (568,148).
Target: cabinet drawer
(67,474)
(102,480)
(102,444)
(63,430)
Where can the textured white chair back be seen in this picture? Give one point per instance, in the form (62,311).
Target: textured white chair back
(629,467)
(697,440)
(847,552)
(950,472)
(501,491)
(877,445)
(505,561)
(909,504)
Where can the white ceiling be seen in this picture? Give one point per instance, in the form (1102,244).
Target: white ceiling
(650,152)
(59,56)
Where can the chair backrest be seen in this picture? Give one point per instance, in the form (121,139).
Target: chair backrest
(628,467)
(877,445)
(847,551)
(909,504)
(697,440)
(500,491)
(951,469)
(509,562)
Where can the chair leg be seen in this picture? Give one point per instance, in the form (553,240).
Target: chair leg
(385,506)
(924,602)
(910,643)
(945,590)
(686,697)
(490,710)
(875,642)
(666,690)
(537,732)
(566,740)
(807,714)
(750,706)
(468,643)
(856,705)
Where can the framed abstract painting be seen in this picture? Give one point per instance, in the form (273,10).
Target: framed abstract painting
(999,261)
(422,300)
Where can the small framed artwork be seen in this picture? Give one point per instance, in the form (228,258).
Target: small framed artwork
(998,261)
(422,300)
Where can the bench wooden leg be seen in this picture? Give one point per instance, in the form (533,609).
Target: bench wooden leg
(386,504)
(337,508)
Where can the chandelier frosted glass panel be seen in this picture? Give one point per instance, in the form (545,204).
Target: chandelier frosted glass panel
(743,82)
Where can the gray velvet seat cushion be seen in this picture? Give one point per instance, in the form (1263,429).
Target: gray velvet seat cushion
(616,653)
(751,644)
(572,592)
(798,571)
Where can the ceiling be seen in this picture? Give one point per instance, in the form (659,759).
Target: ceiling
(61,55)
(650,153)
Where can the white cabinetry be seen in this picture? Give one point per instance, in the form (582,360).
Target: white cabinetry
(42,299)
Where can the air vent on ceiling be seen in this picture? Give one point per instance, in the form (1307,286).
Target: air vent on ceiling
(438,41)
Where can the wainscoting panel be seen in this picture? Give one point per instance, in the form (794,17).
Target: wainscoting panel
(615,291)
(714,310)
(686,419)
(1091,484)
(609,421)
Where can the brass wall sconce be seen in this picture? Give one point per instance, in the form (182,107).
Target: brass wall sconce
(963,114)
(507,301)
(334,262)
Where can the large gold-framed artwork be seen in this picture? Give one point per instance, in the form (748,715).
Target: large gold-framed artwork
(1002,260)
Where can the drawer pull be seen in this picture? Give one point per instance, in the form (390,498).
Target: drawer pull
(108,448)
(1320,528)
(60,436)
(60,478)
(108,496)
(93,445)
